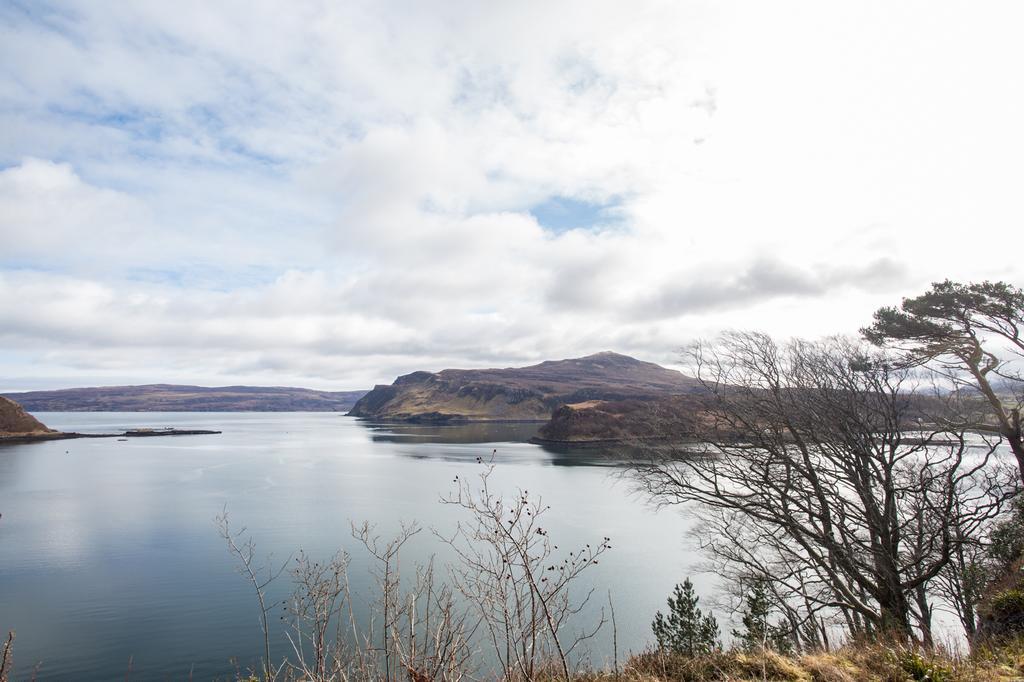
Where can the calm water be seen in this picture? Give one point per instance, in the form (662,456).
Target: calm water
(109,552)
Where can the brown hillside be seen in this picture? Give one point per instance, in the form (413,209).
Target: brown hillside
(15,421)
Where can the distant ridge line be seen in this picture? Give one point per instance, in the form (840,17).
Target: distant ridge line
(186,398)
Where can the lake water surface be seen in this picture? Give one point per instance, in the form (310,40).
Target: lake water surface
(110,558)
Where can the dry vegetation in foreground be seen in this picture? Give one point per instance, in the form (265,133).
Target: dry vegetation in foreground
(855,663)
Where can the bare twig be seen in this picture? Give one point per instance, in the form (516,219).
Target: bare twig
(259,575)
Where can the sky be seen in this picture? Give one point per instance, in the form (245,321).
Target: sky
(329,194)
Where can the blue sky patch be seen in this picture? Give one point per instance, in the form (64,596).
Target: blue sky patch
(206,277)
(561,214)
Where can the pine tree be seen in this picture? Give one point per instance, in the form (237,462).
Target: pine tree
(686,629)
(758,632)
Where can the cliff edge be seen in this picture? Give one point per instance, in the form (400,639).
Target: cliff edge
(598,422)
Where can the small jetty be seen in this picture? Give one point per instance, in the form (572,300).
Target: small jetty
(168,431)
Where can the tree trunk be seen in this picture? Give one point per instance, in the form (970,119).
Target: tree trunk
(1016,441)
(970,623)
(925,623)
(894,618)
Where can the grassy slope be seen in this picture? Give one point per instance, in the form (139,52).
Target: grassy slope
(868,663)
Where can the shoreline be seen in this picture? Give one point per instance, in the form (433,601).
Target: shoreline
(131,433)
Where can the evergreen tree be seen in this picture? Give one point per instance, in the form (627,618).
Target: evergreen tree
(1007,539)
(974,332)
(757,630)
(686,629)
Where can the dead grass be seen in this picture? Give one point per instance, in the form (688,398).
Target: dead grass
(860,663)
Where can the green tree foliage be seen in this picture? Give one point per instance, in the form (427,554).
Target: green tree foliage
(971,331)
(686,629)
(1006,544)
(758,631)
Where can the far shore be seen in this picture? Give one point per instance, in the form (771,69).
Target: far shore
(132,433)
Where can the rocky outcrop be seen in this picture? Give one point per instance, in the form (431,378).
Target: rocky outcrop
(518,394)
(598,422)
(16,422)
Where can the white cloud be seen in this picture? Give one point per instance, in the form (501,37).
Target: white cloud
(47,209)
(331,194)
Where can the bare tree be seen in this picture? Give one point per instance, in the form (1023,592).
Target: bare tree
(962,583)
(388,575)
(259,574)
(424,632)
(509,572)
(414,628)
(317,604)
(439,631)
(744,553)
(508,586)
(807,447)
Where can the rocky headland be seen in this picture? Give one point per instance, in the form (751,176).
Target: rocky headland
(15,422)
(602,422)
(531,393)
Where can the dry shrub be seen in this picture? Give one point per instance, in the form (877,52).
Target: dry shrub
(1002,662)
(723,666)
(827,667)
(855,663)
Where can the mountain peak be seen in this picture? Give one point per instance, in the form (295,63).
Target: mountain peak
(611,355)
(607,354)
(604,356)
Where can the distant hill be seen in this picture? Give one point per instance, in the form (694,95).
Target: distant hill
(519,394)
(174,398)
(16,422)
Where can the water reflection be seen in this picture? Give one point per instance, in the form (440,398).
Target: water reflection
(474,432)
(493,433)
